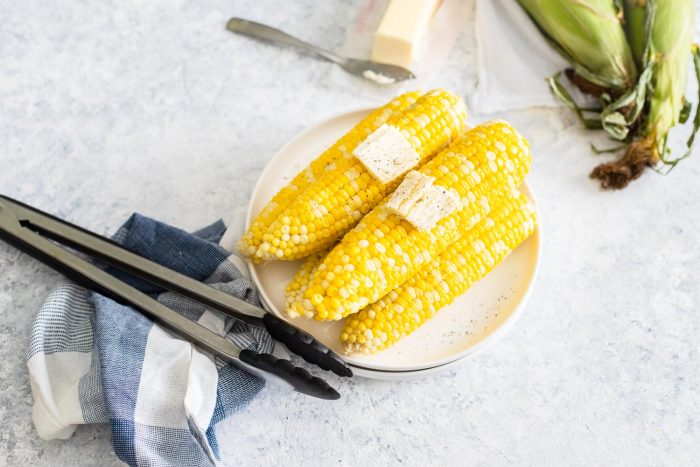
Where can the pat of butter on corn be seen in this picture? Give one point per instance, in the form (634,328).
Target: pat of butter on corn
(387,154)
(420,202)
(403,26)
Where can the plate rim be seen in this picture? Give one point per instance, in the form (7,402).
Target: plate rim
(417,370)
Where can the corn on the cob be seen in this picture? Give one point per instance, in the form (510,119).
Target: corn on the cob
(670,44)
(590,35)
(295,304)
(334,203)
(252,239)
(436,285)
(384,250)
(668,28)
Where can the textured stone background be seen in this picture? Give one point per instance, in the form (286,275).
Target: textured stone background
(112,107)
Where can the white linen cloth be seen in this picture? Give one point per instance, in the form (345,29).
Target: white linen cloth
(513,60)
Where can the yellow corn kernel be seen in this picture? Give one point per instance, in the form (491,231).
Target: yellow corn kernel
(437,284)
(295,304)
(334,203)
(252,238)
(490,160)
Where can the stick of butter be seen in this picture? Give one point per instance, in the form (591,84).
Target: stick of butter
(404,24)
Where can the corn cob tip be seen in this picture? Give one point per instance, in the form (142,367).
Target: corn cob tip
(296,304)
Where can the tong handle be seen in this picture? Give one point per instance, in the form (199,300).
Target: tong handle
(299,378)
(91,276)
(108,252)
(305,345)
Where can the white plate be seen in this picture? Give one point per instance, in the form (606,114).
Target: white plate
(473,321)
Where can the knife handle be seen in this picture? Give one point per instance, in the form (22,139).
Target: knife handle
(268,33)
(299,378)
(305,345)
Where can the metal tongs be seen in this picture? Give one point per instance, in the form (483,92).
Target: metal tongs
(41,236)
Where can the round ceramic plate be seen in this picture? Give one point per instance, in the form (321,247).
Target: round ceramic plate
(473,321)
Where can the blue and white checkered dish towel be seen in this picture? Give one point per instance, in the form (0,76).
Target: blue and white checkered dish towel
(92,360)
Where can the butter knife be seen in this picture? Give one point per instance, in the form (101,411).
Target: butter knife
(381,73)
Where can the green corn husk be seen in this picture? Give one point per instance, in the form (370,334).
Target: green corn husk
(589,34)
(633,56)
(660,35)
(669,46)
(635,15)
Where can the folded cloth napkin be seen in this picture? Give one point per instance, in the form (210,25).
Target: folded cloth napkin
(513,59)
(92,360)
